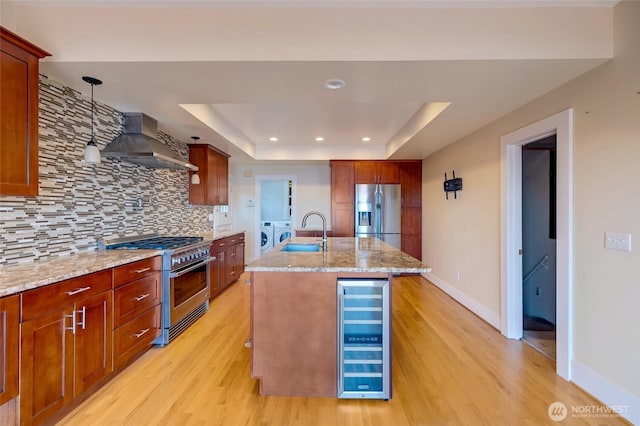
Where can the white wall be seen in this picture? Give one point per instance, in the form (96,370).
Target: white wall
(464,234)
(313,192)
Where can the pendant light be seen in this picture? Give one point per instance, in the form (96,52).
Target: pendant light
(195,178)
(91,152)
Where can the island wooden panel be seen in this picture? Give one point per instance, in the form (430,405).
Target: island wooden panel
(294,332)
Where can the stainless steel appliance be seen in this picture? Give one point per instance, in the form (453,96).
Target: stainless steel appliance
(364,354)
(378,212)
(185,278)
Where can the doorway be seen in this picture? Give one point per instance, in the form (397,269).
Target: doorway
(275,197)
(560,125)
(539,245)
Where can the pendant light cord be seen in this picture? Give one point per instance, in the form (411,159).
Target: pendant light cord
(92,104)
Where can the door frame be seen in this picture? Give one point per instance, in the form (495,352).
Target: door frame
(560,124)
(258,207)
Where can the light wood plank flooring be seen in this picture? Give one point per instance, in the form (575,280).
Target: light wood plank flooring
(449,368)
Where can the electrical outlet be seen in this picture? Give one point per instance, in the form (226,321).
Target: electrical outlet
(458,275)
(537,291)
(617,241)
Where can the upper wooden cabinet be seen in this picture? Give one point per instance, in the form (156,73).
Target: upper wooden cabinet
(411,183)
(214,176)
(342,198)
(18,114)
(376,172)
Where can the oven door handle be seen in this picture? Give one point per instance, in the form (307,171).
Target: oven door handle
(190,268)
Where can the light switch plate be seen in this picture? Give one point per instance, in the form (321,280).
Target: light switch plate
(617,241)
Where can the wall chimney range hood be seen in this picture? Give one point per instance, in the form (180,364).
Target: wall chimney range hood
(138,144)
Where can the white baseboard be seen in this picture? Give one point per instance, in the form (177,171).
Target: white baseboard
(484,313)
(610,394)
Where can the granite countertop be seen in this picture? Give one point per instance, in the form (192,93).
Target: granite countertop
(217,235)
(19,277)
(26,276)
(344,254)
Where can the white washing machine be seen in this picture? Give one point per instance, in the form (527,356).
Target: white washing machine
(266,240)
(282,231)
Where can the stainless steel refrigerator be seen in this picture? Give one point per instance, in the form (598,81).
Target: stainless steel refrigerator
(378,212)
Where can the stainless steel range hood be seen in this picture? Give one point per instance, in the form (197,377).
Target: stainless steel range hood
(138,144)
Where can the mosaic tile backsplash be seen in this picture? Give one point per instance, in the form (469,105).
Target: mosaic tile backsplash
(79,203)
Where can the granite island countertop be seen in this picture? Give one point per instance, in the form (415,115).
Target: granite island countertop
(344,254)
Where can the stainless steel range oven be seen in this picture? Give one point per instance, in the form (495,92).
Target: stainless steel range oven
(185,278)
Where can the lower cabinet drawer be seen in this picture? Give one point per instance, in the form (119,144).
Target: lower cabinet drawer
(135,336)
(133,299)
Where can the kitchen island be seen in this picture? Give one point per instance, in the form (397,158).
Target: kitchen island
(294,309)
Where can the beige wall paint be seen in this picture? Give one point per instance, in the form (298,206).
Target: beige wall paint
(464,234)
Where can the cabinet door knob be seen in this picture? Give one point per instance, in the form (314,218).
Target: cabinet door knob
(142,296)
(139,271)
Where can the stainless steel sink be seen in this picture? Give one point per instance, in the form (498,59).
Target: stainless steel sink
(301,247)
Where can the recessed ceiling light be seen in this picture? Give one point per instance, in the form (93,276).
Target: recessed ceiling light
(334,84)
(273,139)
(366,139)
(319,139)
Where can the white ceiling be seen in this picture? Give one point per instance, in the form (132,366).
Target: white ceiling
(420,74)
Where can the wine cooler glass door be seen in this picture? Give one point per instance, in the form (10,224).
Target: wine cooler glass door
(363,336)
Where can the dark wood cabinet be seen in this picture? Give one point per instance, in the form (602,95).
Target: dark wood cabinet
(213,170)
(411,193)
(138,295)
(66,343)
(408,173)
(10,341)
(19,82)
(93,345)
(228,264)
(411,184)
(342,198)
(385,172)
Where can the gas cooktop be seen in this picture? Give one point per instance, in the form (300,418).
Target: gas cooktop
(157,243)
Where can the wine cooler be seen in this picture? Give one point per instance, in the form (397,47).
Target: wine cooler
(364,356)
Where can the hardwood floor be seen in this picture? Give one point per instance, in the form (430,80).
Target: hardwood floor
(449,367)
(542,341)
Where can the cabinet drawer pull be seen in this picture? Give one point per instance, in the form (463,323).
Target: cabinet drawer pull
(142,296)
(139,271)
(141,333)
(78,290)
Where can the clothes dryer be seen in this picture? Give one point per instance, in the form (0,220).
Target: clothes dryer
(282,231)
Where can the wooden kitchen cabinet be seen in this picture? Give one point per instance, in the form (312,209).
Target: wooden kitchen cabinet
(137,313)
(408,173)
(65,342)
(384,172)
(342,198)
(411,219)
(19,81)
(213,170)
(229,263)
(10,341)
